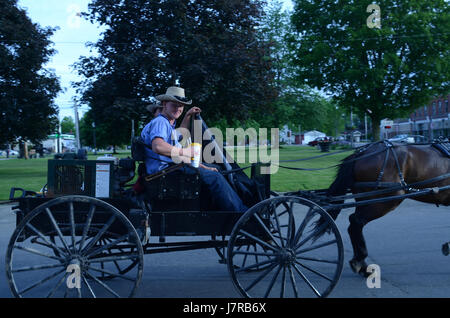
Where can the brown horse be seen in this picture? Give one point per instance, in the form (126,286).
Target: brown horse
(383,165)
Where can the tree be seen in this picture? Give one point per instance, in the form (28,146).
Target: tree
(275,30)
(209,47)
(102,139)
(310,111)
(67,125)
(27,90)
(391,70)
(297,104)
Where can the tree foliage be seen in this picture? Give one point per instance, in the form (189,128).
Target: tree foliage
(390,70)
(210,48)
(307,110)
(27,90)
(298,105)
(67,125)
(103,137)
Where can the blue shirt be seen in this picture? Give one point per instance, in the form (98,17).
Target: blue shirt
(159,127)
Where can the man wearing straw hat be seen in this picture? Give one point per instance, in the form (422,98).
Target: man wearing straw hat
(161,135)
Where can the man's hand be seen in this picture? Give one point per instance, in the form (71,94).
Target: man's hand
(187,152)
(194,110)
(178,155)
(186,122)
(208,168)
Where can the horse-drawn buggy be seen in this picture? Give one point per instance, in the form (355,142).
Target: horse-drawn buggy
(86,235)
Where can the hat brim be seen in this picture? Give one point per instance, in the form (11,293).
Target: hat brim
(171,98)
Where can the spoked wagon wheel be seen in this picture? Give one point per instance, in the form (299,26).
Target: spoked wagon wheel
(296,244)
(64,247)
(243,245)
(122,267)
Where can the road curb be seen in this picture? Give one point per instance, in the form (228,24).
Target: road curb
(6,202)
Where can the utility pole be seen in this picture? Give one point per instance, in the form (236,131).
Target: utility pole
(351,116)
(300,134)
(95,142)
(58,136)
(77,128)
(365,126)
(351,124)
(365,120)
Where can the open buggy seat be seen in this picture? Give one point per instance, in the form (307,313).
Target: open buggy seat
(176,205)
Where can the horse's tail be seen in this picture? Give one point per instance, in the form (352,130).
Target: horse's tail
(344,180)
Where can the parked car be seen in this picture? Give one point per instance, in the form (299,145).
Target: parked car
(316,141)
(12,153)
(419,139)
(402,139)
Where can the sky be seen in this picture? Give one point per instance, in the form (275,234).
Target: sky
(69,42)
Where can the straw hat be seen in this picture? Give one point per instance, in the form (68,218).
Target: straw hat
(174,94)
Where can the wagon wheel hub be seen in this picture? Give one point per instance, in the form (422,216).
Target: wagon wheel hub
(77,260)
(286,256)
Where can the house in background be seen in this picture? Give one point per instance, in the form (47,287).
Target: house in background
(286,135)
(311,135)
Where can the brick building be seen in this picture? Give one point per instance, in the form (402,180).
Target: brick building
(430,121)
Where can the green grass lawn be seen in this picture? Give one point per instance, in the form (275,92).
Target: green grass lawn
(292,180)
(32,174)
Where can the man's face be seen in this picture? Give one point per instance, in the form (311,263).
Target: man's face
(173,109)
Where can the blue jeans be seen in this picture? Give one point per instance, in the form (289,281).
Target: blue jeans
(217,191)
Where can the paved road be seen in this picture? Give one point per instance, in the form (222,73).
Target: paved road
(406,244)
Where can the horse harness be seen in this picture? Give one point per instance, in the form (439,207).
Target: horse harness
(444,147)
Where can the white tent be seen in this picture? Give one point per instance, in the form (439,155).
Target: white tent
(311,135)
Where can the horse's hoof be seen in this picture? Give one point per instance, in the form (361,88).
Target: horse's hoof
(364,273)
(355,265)
(359,267)
(446,249)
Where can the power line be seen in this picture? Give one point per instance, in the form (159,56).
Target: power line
(80,107)
(303,39)
(387,37)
